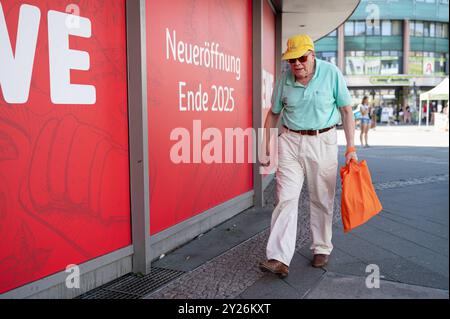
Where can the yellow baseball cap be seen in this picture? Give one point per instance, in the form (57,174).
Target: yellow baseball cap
(297,46)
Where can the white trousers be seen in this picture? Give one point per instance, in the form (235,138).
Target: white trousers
(316,158)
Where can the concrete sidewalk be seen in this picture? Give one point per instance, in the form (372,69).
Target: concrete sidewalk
(402,135)
(407,241)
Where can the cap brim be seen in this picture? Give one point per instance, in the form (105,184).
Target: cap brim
(294,55)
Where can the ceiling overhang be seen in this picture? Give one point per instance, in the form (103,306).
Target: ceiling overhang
(316,18)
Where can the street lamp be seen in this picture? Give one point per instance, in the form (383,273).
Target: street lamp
(414,92)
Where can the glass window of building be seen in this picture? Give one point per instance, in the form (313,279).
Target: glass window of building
(373,62)
(411,28)
(426,29)
(332,33)
(397,27)
(329,56)
(429,1)
(445,30)
(349,28)
(440,65)
(373,27)
(360,28)
(427,63)
(354,62)
(377,28)
(418,29)
(415,63)
(390,63)
(386,27)
(439,30)
(432,29)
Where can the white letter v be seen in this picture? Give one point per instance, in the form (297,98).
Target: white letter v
(16,69)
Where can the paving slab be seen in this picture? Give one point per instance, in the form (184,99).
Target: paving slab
(409,271)
(336,286)
(217,241)
(271,287)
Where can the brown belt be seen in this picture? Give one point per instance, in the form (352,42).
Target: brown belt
(310,132)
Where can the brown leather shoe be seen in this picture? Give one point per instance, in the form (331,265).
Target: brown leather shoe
(275,267)
(320,260)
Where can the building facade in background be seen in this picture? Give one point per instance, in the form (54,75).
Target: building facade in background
(391,51)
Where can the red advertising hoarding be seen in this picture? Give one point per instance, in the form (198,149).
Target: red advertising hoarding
(64,170)
(199,85)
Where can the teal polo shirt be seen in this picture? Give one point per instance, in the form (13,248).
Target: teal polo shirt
(315,106)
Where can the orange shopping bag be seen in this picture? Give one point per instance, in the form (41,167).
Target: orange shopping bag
(359,202)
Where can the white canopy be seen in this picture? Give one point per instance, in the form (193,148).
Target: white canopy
(440,92)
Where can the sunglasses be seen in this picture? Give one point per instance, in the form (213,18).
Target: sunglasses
(301,59)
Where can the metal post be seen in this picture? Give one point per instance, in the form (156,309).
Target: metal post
(341,48)
(138,133)
(415,103)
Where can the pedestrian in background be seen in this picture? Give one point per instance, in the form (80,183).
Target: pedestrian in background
(373,118)
(365,121)
(391,115)
(445,111)
(407,115)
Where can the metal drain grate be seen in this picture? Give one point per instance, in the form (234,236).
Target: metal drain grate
(132,286)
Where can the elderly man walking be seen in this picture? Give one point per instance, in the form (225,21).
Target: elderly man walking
(314,98)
